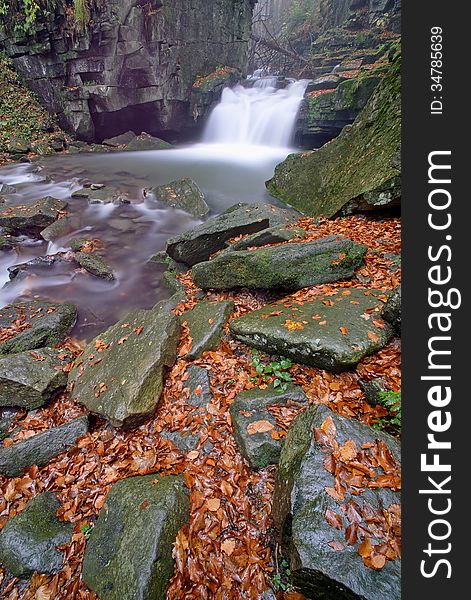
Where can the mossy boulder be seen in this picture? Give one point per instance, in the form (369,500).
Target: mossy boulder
(359,170)
(260,448)
(129,553)
(95,265)
(205,323)
(272,235)
(322,563)
(199,243)
(35,324)
(183,194)
(28,542)
(329,332)
(31,379)
(286,266)
(120,376)
(41,448)
(31,218)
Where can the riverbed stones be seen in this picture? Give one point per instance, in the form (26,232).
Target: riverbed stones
(29,540)
(254,425)
(59,228)
(205,323)
(31,218)
(41,448)
(329,332)
(285,266)
(31,379)
(35,324)
(95,265)
(129,553)
(392,311)
(102,195)
(322,564)
(183,194)
(199,243)
(121,374)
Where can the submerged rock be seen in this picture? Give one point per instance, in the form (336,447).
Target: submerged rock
(41,448)
(129,553)
(323,554)
(205,323)
(28,541)
(35,324)
(359,170)
(329,332)
(121,374)
(183,194)
(95,265)
(31,379)
(201,242)
(145,142)
(249,409)
(286,266)
(31,218)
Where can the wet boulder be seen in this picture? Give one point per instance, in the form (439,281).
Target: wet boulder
(31,218)
(183,194)
(198,385)
(7,417)
(41,448)
(34,324)
(102,195)
(120,140)
(199,243)
(129,553)
(31,379)
(95,265)
(205,323)
(339,526)
(184,441)
(254,425)
(121,374)
(329,332)
(29,541)
(285,266)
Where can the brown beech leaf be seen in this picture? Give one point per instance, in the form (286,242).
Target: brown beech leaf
(259,427)
(336,545)
(333,519)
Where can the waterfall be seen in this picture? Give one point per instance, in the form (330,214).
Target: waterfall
(255,116)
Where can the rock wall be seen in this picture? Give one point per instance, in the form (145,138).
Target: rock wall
(134,66)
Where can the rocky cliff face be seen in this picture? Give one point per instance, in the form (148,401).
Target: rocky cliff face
(134,66)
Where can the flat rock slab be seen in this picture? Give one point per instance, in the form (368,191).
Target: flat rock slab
(95,265)
(42,448)
(314,525)
(31,218)
(249,413)
(129,553)
(35,324)
(183,194)
(285,266)
(199,243)
(272,235)
(28,542)
(31,379)
(199,386)
(330,332)
(120,376)
(206,322)
(392,310)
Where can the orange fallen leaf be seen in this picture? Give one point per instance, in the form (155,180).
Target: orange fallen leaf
(259,427)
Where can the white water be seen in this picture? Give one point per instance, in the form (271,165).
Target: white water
(260,116)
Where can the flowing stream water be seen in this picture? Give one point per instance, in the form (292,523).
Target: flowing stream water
(247,135)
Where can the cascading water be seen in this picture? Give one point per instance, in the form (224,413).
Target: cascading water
(261,116)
